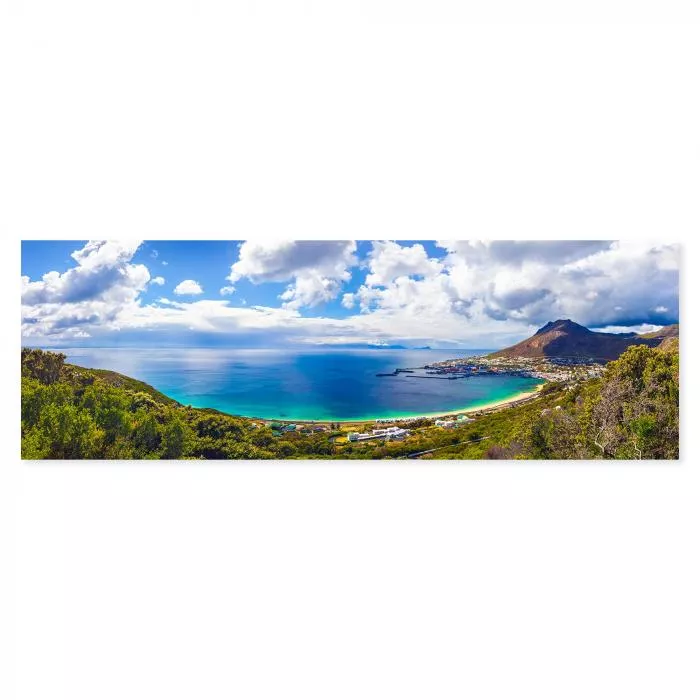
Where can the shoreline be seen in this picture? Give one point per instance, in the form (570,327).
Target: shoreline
(492,406)
(487,407)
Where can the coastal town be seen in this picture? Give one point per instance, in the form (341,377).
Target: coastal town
(551,369)
(392,429)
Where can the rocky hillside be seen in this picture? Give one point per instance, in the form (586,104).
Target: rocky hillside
(564,338)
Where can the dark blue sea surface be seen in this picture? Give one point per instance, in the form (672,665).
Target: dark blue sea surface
(305,384)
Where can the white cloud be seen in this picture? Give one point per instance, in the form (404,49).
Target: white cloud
(591,282)
(311,289)
(388,261)
(507,289)
(474,295)
(283,260)
(226,291)
(316,270)
(393,267)
(517,253)
(188,287)
(103,269)
(92,293)
(638,328)
(158,280)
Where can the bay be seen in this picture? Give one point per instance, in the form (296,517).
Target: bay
(315,384)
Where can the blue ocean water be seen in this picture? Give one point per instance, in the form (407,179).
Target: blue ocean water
(304,384)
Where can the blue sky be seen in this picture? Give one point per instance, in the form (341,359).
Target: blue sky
(207,262)
(272,293)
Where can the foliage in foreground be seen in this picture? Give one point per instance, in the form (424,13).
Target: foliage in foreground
(69,412)
(631,412)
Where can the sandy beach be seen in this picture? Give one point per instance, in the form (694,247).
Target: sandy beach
(518,398)
(492,406)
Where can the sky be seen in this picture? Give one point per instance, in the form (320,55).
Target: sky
(442,294)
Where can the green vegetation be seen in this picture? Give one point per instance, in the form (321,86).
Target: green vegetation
(69,412)
(631,412)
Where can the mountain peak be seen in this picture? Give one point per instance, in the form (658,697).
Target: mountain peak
(562,324)
(565,338)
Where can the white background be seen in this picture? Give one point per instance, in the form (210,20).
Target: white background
(187,119)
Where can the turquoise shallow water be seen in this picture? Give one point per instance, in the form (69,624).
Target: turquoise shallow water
(304,385)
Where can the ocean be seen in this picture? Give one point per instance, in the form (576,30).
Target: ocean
(304,384)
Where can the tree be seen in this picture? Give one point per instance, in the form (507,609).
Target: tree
(147,436)
(175,438)
(632,413)
(69,433)
(111,409)
(42,365)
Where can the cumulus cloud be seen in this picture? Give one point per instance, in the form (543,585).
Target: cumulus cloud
(392,266)
(93,292)
(510,288)
(593,282)
(188,287)
(471,294)
(103,269)
(311,289)
(158,280)
(388,261)
(280,261)
(316,270)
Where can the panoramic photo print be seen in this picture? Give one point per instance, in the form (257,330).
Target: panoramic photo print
(342,349)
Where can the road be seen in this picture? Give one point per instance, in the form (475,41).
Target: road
(444,447)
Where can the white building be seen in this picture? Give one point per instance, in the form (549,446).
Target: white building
(385,432)
(445,423)
(393,433)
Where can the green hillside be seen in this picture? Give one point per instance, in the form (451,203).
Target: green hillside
(70,412)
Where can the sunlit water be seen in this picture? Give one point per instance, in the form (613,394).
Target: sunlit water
(304,385)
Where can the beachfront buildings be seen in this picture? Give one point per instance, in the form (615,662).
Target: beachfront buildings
(392,433)
(445,423)
(453,422)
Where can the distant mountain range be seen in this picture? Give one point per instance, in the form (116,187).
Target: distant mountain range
(564,338)
(374,346)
